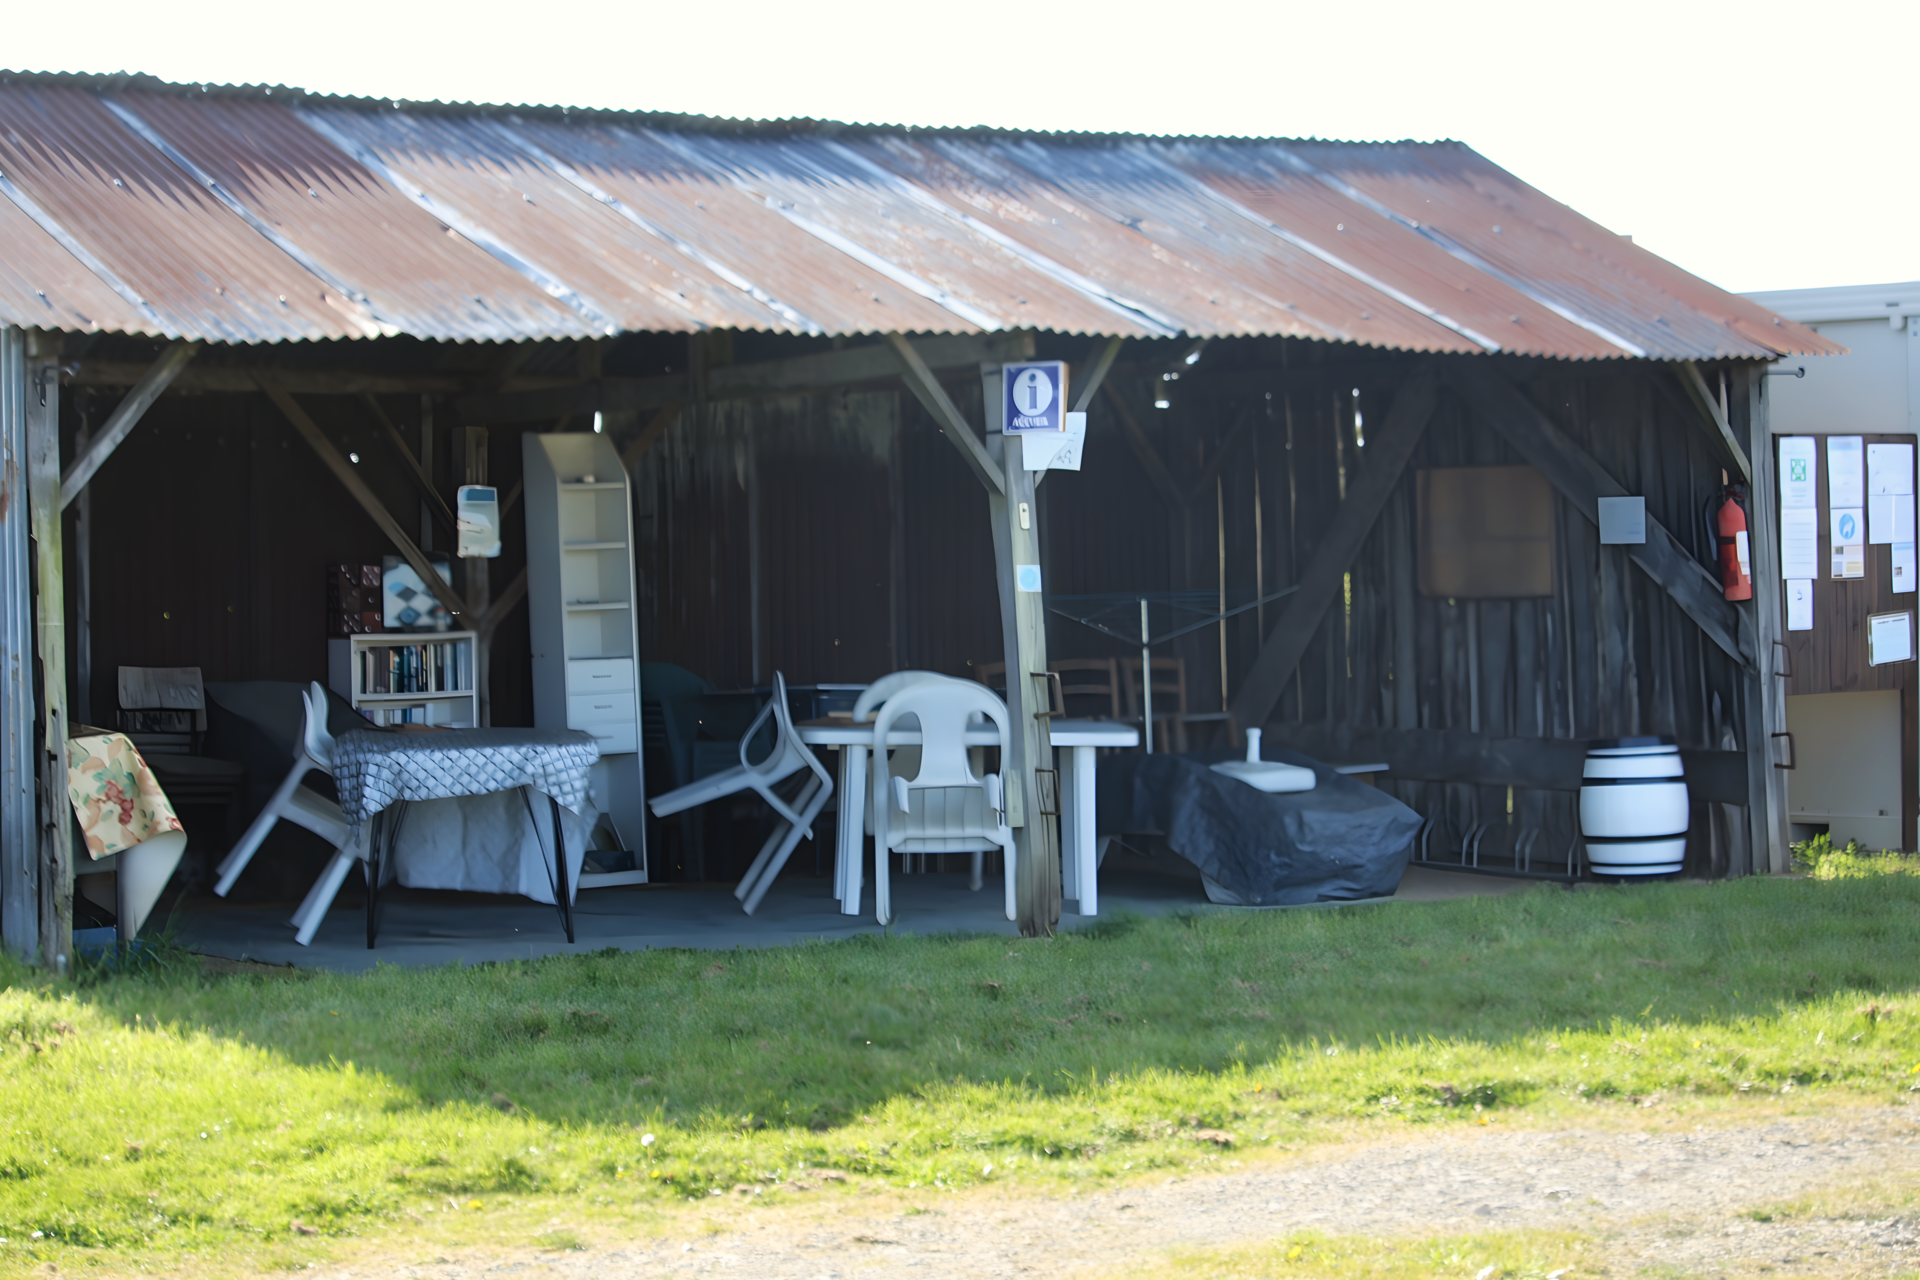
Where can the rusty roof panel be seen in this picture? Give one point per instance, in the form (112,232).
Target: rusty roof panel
(770,254)
(1480,306)
(872,216)
(43,284)
(618,277)
(246,216)
(1248,278)
(1637,302)
(202,271)
(357,230)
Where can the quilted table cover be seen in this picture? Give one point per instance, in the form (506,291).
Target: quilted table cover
(373,770)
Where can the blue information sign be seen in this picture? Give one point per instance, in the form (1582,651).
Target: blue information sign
(1036,395)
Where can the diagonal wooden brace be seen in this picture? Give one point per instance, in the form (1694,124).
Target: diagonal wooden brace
(343,471)
(1387,452)
(1583,482)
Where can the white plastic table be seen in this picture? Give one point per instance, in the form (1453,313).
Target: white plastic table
(1077,742)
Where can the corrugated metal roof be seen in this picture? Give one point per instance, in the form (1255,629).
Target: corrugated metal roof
(266,216)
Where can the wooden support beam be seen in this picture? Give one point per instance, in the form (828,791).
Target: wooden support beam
(19,751)
(1703,399)
(125,418)
(1367,493)
(240,379)
(1148,455)
(415,472)
(50,626)
(343,472)
(953,424)
(649,436)
(821,371)
(1099,365)
(1023,629)
(1583,482)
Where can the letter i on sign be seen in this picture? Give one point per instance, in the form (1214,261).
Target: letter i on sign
(1036,393)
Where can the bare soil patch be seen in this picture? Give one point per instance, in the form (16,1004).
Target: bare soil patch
(1665,1199)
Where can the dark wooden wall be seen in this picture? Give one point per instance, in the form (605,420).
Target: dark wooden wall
(838,536)
(213,523)
(1488,704)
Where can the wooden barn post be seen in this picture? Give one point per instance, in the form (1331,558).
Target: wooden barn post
(1766,690)
(19,822)
(50,631)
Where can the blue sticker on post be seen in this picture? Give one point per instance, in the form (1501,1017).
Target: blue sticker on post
(1026,577)
(1036,395)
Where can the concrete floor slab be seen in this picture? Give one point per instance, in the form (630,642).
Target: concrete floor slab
(428,927)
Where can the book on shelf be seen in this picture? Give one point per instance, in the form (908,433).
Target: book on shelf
(438,666)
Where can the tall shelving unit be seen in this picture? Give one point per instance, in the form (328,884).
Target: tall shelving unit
(580,603)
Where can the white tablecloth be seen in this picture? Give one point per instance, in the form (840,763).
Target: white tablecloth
(467,824)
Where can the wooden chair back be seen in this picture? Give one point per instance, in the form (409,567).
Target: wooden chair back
(1090,687)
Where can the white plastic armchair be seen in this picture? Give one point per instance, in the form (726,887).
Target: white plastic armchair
(788,757)
(312,750)
(302,807)
(944,807)
(867,706)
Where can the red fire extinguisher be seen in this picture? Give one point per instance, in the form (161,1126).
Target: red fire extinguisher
(1729,521)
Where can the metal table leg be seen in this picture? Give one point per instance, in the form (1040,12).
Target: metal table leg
(560,861)
(381,841)
(557,878)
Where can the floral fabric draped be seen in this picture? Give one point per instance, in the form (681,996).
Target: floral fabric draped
(115,795)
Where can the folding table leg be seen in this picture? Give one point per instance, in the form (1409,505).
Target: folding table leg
(373,875)
(850,855)
(560,861)
(381,844)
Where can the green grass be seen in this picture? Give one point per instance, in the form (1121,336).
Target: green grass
(153,1116)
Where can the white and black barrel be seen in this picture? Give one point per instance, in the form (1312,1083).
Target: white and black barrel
(1633,807)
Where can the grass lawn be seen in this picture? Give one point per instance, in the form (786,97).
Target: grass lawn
(177,1120)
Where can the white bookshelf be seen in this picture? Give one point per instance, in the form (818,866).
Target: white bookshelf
(586,646)
(407,677)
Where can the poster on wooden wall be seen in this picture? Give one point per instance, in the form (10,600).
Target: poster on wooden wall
(1846,472)
(1800,604)
(1849,543)
(1889,638)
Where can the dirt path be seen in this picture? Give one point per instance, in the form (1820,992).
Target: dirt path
(1659,1197)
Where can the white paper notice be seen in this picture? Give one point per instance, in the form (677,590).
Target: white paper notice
(1800,604)
(1846,477)
(1055,450)
(1903,567)
(1799,543)
(1889,468)
(1889,638)
(1903,518)
(1880,518)
(1797,472)
(1848,540)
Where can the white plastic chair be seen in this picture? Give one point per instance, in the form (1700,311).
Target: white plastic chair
(944,807)
(313,750)
(867,707)
(788,757)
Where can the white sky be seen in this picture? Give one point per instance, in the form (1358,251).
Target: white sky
(1761,145)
